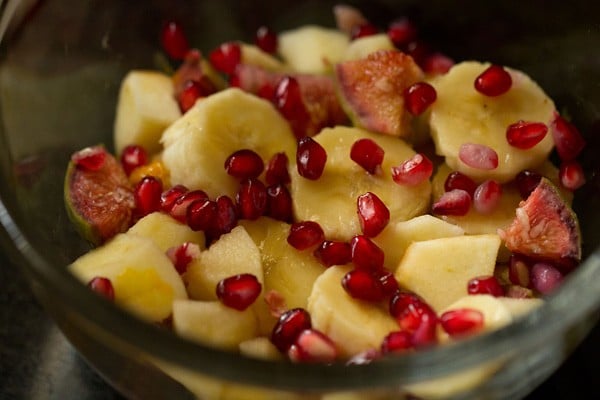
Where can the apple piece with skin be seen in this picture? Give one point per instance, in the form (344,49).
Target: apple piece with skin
(166,231)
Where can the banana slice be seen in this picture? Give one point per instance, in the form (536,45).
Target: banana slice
(331,200)
(197,145)
(462,115)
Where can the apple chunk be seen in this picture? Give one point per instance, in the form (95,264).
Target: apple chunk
(166,231)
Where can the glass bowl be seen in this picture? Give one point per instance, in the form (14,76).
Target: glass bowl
(60,68)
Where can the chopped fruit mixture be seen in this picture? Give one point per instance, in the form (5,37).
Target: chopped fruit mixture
(285,191)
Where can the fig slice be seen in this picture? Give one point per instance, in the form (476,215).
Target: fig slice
(99,201)
(545,227)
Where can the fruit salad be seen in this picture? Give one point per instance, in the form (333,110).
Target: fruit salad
(328,194)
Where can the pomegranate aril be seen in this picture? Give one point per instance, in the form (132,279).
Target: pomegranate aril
(201,215)
(402,32)
(181,256)
(545,278)
(277,170)
(396,341)
(147,195)
(173,40)
(524,135)
(226,57)
(455,202)
(571,175)
(518,270)
(289,102)
(288,327)
(413,171)
(312,346)
(368,154)
(90,158)
(388,281)
(251,199)
(178,209)
(168,197)
(365,253)
(226,217)
(494,81)
(266,39)
(487,196)
(458,180)
(133,156)
(415,316)
(310,158)
(192,91)
(485,285)
(478,156)
(373,214)
(244,164)
(102,286)
(419,50)
(332,252)
(279,203)
(363,30)
(437,64)
(239,291)
(462,321)
(364,285)
(567,139)
(418,97)
(527,181)
(305,234)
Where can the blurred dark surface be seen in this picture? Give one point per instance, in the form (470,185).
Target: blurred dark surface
(37,363)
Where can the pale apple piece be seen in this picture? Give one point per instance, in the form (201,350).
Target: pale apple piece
(213,324)
(312,49)
(354,326)
(232,254)
(519,307)
(363,46)
(439,269)
(397,236)
(146,106)
(166,231)
(260,347)
(144,280)
(254,55)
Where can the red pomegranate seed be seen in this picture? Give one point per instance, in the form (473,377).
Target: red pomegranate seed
(168,197)
(312,346)
(239,291)
(305,234)
(332,252)
(178,209)
(571,175)
(402,32)
(363,30)
(201,215)
(524,135)
(192,91)
(251,199)
(368,154)
(567,138)
(181,256)
(133,156)
(462,321)
(396,341)
(545,278)
(364,357)
(388,281)
(485,285)
(418,97)
(310,158)
(147,195)
(103,286)
(373,214)
(266,39)
(364,285)
(458,180)
(487,196)
(365,253)
(288,100)
(173,40)
(527,181)
(90,158)
(494,81)
(518,270)
(226,217)
(437,64)
(478,156)
(267,91)
(279,203)
(419,50)
(455,202)
(413,171)
(288,327)
(226,57)
(277,170)
(415,316)
(244,164)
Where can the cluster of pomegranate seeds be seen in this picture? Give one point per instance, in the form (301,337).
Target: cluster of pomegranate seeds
(418,97)
(331,252)
(251,199)
(413,171)
(244,164)
(363,30)
(365,253)
(181,256)
(277,170)
(266,39)
(545,278)
(462,321)
(133,156)
(524,135)
(226,57)
(289,102)
(279,203)
(453,202)
(485,285)
(487,196)
(414,316)
(239,291)
(287,328)
(147,194)
(494,81)
(103,286)
(305,234)
(571,175)
(373,214)
(174,40)
(312,346)
(478,156)
(310,158)
(90,158)
(458,180)
(368,154)
(527,181)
